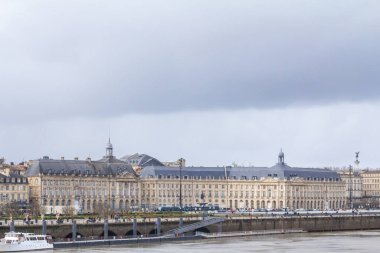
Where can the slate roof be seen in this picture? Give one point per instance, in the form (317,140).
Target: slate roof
(281,171)
(12,175)
(105,166)
(141,160)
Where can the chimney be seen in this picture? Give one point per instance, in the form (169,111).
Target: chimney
(76,158)
(62,158)
(88,159)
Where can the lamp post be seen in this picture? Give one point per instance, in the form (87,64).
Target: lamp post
(180,183)
(350,186)
(227,190)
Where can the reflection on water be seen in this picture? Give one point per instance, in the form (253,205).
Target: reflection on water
(355,241)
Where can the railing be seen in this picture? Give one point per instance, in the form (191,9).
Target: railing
(194,226)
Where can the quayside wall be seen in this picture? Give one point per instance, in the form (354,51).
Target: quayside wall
(148,227)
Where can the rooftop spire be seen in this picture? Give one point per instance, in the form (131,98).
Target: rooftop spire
(109,148)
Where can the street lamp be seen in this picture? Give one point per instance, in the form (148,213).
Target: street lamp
(180,182)
(350,186)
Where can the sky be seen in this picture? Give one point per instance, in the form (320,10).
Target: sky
(215,82)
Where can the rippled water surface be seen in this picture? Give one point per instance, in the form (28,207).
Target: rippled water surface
(356,241)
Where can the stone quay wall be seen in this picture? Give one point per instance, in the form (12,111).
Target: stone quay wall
(148,227)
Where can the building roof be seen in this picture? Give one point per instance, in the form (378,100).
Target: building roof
(141,160)
(105,166)
(108,165)
(8,178)
(280,171)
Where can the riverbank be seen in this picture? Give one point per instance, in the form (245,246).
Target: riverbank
(156,227)
(164,239)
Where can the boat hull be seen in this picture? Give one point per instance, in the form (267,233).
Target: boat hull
(24,246)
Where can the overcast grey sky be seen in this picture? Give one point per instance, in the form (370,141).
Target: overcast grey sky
(214,82)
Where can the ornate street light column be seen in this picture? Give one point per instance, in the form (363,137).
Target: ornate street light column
(181,160)
(350,186)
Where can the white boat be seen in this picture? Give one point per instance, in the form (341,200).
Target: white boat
(16,241)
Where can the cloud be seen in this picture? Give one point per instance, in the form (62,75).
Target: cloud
(316,137)
(99,59)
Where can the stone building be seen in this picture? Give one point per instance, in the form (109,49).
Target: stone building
(107,185)
(371,188)
(353,185)
(279,186)
(14,189)
(88,186)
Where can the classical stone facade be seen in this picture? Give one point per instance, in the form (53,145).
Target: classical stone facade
(86,186)
(371,188)
(14,189)
(280,186)
(353,186)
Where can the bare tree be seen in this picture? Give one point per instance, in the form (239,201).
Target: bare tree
(11,209)
(69,212)
(102,209)
(36,209)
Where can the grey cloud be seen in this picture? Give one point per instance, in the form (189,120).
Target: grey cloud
(102,58)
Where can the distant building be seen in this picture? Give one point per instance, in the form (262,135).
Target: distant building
(353,185)
(8,169)
(279,186)
(104,186)
(14,189)
(371,188)
(141,181)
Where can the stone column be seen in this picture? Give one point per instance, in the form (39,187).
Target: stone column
(44,227)
(106,229)
(158,226)
(74,230)
(181,222)
(135,227)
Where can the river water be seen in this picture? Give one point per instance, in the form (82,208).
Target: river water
(353,241)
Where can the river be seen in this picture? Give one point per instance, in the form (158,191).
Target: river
(353,241)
